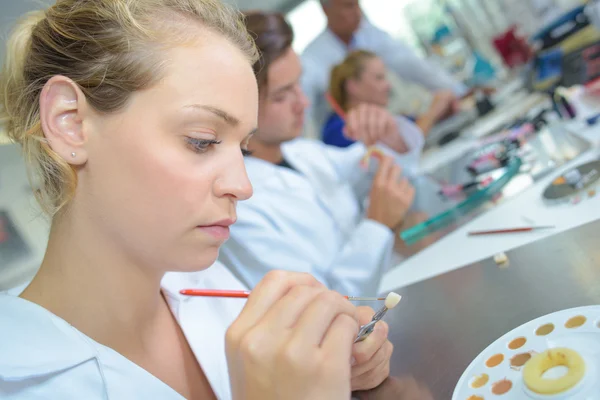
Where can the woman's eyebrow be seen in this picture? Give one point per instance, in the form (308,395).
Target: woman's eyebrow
(222,114)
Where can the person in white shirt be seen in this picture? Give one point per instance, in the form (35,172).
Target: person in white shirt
(309,212)
(347,30)
(133,116)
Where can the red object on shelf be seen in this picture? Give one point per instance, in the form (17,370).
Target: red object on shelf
(336,107)
(513,48)
(592,88)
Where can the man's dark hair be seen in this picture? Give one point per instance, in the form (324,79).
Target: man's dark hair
(273,36)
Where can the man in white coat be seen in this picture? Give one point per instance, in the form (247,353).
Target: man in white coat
(348,30)
(308,211)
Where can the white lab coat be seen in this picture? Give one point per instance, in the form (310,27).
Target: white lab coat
(327,50)
(310,220)
(415,141)
(43,357)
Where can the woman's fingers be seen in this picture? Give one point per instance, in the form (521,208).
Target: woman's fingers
(273,287)
(316,321)
(286,312)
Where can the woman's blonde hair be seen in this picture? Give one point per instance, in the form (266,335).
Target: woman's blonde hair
(110,49)
(351,68)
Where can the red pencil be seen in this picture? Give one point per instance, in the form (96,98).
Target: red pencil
(509,230)
(336,107)
(242,294)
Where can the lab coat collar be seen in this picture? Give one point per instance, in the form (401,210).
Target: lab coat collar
(171,285)
(335,38)
(265,174)
(28,354)
(353,45)
(203,320)
(308,159)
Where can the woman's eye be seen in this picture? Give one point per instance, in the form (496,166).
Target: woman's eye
(201,145)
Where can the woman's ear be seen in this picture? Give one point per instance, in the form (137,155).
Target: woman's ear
(61,114)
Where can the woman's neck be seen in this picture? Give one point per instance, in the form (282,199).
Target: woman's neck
(268,152)
(87,279)
(351,103)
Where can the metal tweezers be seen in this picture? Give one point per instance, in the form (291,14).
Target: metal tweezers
(367,329)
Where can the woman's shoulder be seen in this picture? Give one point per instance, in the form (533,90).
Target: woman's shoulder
(267,177)
(333,123)
(302,145)
(39,353)
(333,132)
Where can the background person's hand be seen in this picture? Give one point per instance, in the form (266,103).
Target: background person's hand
(293,340)
(371,356)
(444,104)
(391,196)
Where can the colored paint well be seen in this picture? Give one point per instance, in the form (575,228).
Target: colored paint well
(545,330)
(480,381)
(517,343)
(575,322)
(494,360)
(502,387)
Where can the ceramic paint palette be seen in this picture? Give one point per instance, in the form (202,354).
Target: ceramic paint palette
(498,372)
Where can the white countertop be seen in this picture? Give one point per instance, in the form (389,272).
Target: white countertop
(458,249)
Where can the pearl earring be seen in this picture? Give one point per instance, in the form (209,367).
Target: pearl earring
(73,155)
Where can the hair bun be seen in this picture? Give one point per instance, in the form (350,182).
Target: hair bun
(12,80)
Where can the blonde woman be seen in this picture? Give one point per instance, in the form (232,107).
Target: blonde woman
(134,116)
(359,86)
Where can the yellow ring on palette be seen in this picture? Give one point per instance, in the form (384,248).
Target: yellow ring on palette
(542,362)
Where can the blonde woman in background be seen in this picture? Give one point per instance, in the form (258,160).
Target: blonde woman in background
(134,115)
(348,29)
(360,87)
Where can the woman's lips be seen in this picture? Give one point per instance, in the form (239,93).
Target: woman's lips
(217,231)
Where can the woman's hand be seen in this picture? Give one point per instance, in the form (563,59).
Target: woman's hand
(371,124)
(293,340)
(371,356)
(443,104)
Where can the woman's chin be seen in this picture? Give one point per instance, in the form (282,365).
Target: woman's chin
(200,262)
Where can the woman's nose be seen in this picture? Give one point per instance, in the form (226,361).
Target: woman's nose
(234,181)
